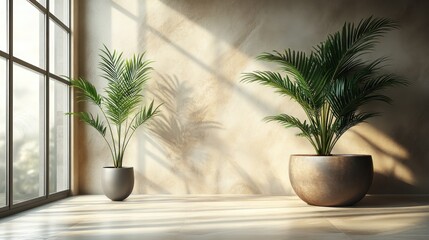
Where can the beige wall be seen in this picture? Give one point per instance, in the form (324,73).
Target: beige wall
(211,138)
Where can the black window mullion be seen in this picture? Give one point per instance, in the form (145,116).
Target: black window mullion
(58,78)
(27,65)
(9,120)
(70,99)
(4,54)
(46,155)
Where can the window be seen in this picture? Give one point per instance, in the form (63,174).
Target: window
(58,50)
(2,132)
(3,26)
(34,100)
(58,140)
(60,9)
(28,112)
(28,33)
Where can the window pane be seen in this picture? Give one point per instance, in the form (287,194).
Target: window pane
(3,25)
(58,50)
(58,136)
(28,125)
(28,33)
(60,8)
(2,132)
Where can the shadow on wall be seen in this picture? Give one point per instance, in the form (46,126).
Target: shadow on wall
(405,123)
(193,149)
(182,127)
(389,176)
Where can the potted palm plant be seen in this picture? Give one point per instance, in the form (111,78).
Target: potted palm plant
(120,114)
(331,84)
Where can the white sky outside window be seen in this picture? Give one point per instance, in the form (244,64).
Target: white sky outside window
(28,33)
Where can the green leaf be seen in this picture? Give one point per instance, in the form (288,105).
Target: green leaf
(289,121)
(346,122)
(87,90)
(126,80)
(144,115)
(282,85)
(94,122)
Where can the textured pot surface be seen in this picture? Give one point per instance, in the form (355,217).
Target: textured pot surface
(337,180)
(118,183)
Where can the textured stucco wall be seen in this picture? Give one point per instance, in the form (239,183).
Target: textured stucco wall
(211,137)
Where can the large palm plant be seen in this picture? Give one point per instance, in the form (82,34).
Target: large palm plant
(331,83)
(120,108)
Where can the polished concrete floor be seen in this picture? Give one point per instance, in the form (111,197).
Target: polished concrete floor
(220,217)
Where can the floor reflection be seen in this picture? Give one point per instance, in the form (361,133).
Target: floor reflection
(220,217)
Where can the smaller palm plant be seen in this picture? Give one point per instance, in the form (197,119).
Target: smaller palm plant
(331,83)
(120,108)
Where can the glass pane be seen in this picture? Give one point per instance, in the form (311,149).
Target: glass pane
(2,132)
(58,50)
(58,136)
(28,33)
(28,125)
(3,25)
(60,8)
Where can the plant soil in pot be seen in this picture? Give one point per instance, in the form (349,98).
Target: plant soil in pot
(331,84)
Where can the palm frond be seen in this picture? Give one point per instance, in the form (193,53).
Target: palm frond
(305,71)
(289,121)
(125,94)
(342,50)
(295,63)
(144,115)
(282,85)
(344,123)
(87,90)
(306,130)
(137,70)
(348,95)
(112,65)
(379,83)
(94,122)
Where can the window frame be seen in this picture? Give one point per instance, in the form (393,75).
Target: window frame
(11,208)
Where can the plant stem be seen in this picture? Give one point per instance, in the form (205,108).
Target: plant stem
(119,160)
(111,135)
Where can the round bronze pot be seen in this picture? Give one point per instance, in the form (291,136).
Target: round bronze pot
(337,180)
(118,183)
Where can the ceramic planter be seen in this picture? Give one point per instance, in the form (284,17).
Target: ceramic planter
(337,180)
(117,183)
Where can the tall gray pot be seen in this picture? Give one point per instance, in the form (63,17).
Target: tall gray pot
(118,183)
(337,180)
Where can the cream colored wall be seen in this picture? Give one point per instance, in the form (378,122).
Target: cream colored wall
(211,137)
